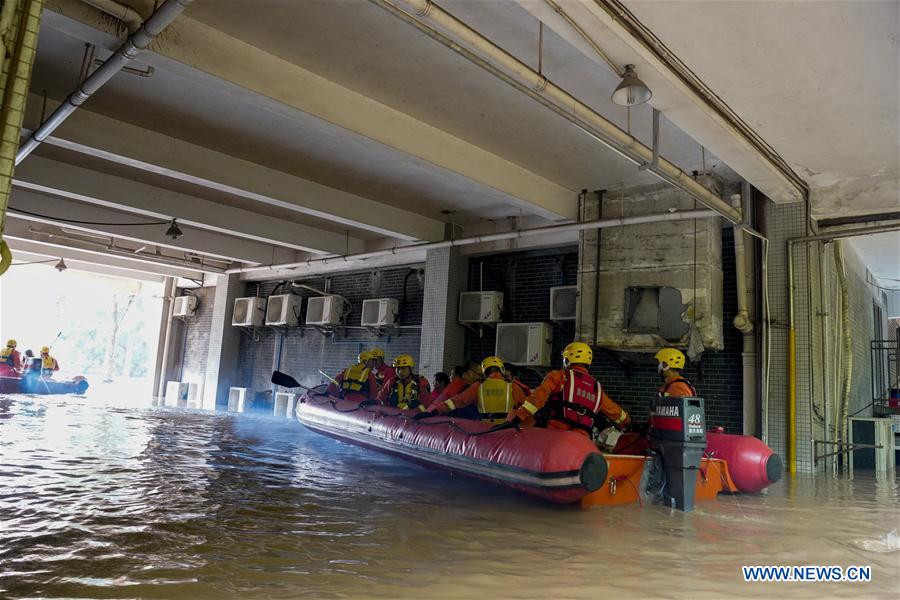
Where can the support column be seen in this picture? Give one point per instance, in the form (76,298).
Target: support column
(588,269)
(224,341)
(165,333)
(443,338)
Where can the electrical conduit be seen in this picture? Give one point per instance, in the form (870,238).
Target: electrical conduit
(846,344)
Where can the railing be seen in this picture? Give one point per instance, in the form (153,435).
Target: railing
(885,365)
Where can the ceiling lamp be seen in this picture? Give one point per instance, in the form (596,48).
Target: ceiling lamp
(173,231)
(631,91)
(60,266)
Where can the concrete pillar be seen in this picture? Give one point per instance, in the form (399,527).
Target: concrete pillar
(224,341)
(163,343)
(588,265)
(443,338)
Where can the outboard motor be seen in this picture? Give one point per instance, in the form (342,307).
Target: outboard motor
(678,432)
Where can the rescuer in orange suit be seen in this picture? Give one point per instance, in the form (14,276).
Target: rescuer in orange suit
(10,360)
(461,378)
(573,397)
(356,380)
(671,362)
(407,390)
(495,397)
(383,372)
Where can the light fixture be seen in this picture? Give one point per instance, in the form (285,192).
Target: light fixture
(60,266)
(173,231)
(631,91)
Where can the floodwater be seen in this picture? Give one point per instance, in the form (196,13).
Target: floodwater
(110,500)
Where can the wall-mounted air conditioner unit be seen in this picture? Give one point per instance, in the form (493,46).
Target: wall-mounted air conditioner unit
(185,306)
(282,310)
(248,312)
(526,344)
(175,392)
(480,307)
(380,312)
(325,310)
(284,404)
(237,399)
(563,302)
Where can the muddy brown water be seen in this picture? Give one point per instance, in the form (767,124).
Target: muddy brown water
(117,499)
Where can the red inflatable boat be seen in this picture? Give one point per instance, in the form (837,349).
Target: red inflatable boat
(560,466)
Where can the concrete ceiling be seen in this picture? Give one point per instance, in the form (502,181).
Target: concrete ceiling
(340,128)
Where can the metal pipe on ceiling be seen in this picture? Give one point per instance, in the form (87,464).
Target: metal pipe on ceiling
(492,237)
(514,72)
(128,15)
(133,46)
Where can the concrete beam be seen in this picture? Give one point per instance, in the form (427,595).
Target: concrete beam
(207,56)
(90,267)
(31,243)
(101,189)
(194,240)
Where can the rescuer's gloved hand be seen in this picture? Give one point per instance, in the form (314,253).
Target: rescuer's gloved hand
(513,421)
(424,415)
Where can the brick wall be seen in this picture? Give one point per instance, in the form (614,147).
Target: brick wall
(196,329)
(304,351)
(525,278)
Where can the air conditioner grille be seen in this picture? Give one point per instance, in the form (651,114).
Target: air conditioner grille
(240,311)
(274,309)
(470,307)
(371,310)
(513,344)
(315,309)
(564,302)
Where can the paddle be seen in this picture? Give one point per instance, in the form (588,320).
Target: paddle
(285,380)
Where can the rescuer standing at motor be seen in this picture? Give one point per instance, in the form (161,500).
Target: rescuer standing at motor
(49,365)
(495,397)
(356,381)
(406,390)
(10,360)
(671,362)
(572,396)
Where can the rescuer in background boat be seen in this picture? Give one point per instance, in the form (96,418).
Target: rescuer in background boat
(572,396)
(49,365)
(494,397)
(439,384)
(383,372)
(671,362)
(358,380)
(10,361)
(406,390)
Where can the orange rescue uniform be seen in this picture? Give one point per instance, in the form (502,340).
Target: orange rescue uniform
(677,387)
(452,389)
(336,387)
(411,393)
(554,384)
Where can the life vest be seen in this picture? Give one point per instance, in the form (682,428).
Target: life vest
(7,356)
(48,365)
(407,394)
(577,403)
(356,378)
(494,400)
(665,389)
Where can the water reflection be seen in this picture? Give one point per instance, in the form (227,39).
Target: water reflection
(99,500)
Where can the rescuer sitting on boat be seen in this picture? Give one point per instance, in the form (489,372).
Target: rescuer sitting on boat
(510,376)
(406,390)
(671,362)
(356,382)
(10,361)
(383,371)
(495,397)
(461,377)
(573,398)
(49,365)
(439,384)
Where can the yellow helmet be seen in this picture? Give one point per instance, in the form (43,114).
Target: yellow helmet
(377,353)
(365,356)
(45,350)
(10,343)
(404,360)
(673,357)
(578,353)
(492,361)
